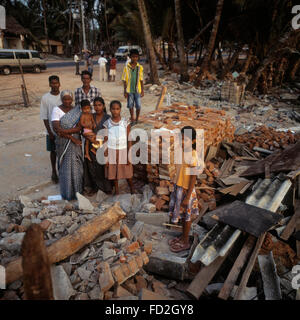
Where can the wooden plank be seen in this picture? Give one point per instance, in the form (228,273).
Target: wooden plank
(161,98)
(204,276)
(249,268)
(236,268)
(36,266)
(289,229)
(238,187)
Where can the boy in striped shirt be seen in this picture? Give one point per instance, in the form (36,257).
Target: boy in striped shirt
(133,76)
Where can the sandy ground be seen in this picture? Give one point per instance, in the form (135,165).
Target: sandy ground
(24,161)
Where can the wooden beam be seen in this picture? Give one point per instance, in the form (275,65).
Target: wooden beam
(204,276)
(68,245)
(289,229)
(36,266)
(236,268)
(249,267)
(161,98)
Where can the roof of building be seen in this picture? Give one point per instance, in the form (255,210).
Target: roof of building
(13,26)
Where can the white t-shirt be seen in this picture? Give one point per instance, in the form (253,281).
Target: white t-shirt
(102,61)
(57,114)
(48,102)
(76,58)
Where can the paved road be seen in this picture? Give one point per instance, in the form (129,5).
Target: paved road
(62,64)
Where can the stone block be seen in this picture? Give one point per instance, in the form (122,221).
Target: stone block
(155,218)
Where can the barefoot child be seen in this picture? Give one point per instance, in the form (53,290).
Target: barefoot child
(87,123)
(117,131)
(183,200)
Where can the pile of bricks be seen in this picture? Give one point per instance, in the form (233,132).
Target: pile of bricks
(266,138)
(132,256)
(217,127)
(233,92)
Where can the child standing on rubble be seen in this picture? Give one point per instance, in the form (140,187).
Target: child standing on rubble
(183,200)
(116,136)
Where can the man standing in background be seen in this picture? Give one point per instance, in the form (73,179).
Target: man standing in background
(77,61)
(102,62)
(49,101)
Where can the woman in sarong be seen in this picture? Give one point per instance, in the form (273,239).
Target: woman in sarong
(68,146)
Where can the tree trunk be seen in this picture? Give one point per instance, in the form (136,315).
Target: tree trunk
(170,55)
(230,64)
(276,52)
(148,41)
(248,61)
(213,36)
(183,63)
(159,57)
(106,26)
(164,52)
(45,26)
(198,35)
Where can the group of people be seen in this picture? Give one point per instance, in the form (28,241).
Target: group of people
(107,65)
(69,127)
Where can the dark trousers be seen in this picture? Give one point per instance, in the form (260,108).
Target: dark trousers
(77,67)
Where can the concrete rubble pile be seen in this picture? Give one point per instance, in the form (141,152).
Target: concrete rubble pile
(109,267)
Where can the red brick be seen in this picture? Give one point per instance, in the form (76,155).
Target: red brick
(11,227)
(118,273)
(126,271)
(145,257)
(133,247)
(148,247)
(125,231)
(146,294)
(121,292)
(140,282)
(139,260)
(45,224)
(133,267)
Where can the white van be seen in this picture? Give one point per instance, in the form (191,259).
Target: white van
(30,61)
(123,52)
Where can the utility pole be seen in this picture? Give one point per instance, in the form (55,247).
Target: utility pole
(83,26)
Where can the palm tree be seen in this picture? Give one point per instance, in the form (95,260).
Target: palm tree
(148,41)
(45,25)
(211,44)
(183,64)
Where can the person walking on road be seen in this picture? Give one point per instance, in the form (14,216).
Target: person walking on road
(113,66)
(102,63)
(49,101)
(77,62)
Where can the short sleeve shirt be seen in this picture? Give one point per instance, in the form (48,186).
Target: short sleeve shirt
(48,102)
(184,174)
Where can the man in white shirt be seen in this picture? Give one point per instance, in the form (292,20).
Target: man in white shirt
(77,61)
(48,102)
(102,69)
